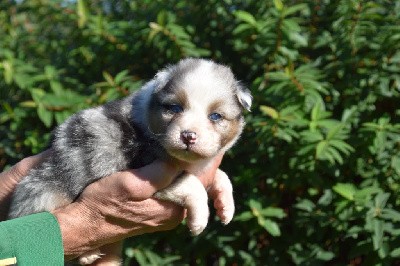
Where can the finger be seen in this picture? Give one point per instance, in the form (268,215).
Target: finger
(22,168)
(157,215)
(132,185)
(142,183)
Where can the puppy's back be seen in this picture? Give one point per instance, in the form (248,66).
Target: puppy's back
(89,145)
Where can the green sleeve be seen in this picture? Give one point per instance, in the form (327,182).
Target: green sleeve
(31,240)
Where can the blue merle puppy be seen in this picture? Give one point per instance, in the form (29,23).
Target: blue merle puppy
(190,112)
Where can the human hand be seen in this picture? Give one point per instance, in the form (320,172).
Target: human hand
(112,208)
(120,206)
(10,178)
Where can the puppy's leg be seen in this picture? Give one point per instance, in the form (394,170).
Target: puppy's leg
(189,192)
(221,192)
(33,196)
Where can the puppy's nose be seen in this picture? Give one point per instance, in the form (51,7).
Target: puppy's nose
(188,137)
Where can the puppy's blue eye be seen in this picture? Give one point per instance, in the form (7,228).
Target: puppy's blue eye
(174,108)
(215,117)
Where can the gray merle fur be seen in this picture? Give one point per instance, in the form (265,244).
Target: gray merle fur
(85,148)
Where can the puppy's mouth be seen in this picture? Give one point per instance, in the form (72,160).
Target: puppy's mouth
(189,147)
(187,152)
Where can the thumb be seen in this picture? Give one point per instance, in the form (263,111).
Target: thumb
(22,168)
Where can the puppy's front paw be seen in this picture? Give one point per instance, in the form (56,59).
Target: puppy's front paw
(226,214)
(90,257)
(198,214)
(223,197)
(198,224)
(225,207)
(196,229)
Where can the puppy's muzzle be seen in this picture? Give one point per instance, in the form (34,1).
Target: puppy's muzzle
(188,137)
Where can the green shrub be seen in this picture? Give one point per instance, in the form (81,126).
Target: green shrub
(317,171)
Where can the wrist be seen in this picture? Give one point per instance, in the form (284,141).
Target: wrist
(78,227)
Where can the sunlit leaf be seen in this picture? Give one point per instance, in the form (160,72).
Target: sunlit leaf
(82,12)
(45,115)
(346,190)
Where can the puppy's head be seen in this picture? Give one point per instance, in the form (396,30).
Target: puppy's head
(195,110)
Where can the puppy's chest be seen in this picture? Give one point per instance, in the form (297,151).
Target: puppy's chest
(137,147)
(141,153)
(140,150)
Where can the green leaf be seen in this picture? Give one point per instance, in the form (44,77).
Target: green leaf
(56,87)
(246,17)
(140,257)
(396,164)
(244,216)
(342,146)
(278,4)
(269,111)
(326,198)
(305,205)
(82,12)
(37,95)
(381,200)
(121,76)
(366,193)
(273,212)
(277,76)
(325,255)
(45,115)
(242,28)
(295,8)
(298,38)
(315,111)
(335,129)
(312,136)
(61,116)
(8,71)
(377,236)
(390,214)
(109,78)
(346,190)
(335,155)
(395,253)
(320,149)
(271,226)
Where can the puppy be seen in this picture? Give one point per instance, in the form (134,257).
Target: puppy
(190,112)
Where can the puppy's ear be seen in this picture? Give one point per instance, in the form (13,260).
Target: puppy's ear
(161,79)
(244,96)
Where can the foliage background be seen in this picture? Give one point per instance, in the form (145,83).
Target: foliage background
(317,171)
